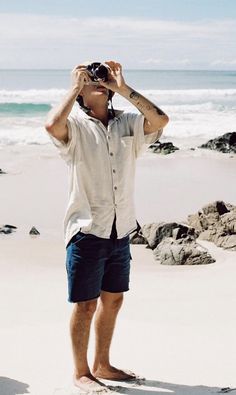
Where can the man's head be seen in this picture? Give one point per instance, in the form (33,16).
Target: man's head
(94,91)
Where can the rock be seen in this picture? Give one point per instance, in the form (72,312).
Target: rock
(154,233)
(6,229)
(218,207)
(2,172)
(225,143)
(217,223)
(209,215)
(137,238)
(163,148)
(10,226)
(34,231)
(181,252)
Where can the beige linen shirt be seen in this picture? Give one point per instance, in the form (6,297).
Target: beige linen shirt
(101,164)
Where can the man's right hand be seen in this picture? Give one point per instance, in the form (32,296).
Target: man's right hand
(79,77)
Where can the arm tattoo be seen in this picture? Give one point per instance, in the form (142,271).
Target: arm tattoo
(134,95)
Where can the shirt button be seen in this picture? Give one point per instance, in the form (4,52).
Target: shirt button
(111,153)
(115,188)
(108,137)
(113,170)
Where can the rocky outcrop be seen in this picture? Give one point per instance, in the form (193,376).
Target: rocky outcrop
(181,252)
(2,172)
(175,244)
(216,222)
(225,143)
(162,148)
(154,233)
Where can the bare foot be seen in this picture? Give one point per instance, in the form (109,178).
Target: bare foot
(89,384)
(111,373)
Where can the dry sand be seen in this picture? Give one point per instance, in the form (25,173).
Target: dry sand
(177,327)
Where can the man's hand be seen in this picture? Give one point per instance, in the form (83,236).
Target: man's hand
(79,77)
(56,123)
(116,82)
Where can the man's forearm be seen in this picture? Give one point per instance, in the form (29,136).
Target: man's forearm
(151,112)
(58,115)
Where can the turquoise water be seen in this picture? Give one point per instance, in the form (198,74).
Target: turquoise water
(199,103)
(23,109)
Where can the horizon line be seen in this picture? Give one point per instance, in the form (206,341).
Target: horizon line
(128,69)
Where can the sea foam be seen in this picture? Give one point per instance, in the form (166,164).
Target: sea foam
(192,112)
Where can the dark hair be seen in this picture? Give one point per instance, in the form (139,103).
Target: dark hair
(80,100)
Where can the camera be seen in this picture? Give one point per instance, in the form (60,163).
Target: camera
(98,71)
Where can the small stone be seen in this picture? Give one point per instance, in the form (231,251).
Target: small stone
(10,226)
(34,231)
(6,229)
(2,172)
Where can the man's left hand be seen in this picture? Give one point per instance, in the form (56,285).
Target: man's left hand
(116,80)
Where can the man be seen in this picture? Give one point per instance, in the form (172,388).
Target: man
(100,147)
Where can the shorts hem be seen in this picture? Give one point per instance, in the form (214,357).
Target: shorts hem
(78,300)
(116,292)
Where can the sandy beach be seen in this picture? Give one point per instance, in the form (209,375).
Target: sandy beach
(177,326)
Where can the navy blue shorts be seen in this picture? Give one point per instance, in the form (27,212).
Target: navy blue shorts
(94,264)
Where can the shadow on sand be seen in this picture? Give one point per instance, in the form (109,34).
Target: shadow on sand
(152,387)
(12,387)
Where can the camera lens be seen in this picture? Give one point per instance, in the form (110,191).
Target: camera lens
(101,72)
(97,71)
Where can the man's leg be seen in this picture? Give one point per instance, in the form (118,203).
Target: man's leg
(109,306)
(80,328)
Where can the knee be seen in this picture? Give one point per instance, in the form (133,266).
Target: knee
(112,303)
(87,308)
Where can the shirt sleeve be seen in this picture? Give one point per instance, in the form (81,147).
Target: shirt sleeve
(66,150)
(141,140)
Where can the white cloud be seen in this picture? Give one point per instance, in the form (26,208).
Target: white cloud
(222,62)
(50,41)
(152,61)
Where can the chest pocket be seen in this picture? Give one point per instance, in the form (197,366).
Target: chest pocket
(127,141)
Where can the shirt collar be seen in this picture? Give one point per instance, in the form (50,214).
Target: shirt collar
(82,114)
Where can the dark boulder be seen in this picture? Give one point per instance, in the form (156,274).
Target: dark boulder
(163,148)
(225,143)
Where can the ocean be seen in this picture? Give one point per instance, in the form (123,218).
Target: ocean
(200,104)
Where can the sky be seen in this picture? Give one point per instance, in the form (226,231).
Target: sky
(147,34)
